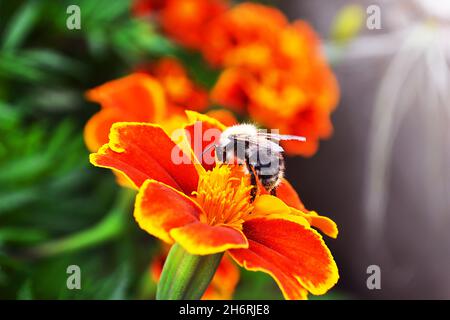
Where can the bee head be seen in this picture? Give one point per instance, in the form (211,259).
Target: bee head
(241,129)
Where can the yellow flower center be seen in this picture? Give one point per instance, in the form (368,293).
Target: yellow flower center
(224,195)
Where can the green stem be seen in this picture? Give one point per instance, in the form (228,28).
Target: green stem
(110,227)
(186,276)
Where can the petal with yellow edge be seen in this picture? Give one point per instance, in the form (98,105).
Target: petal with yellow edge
(159,208)
(202,239)
(289,196)
(268,205)
(293,254)
(202,131)
(324,224)
(287,193)
(144,151)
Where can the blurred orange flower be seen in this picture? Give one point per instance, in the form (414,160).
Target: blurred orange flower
(156,93)
(222,285)
(209,209)
(183,20)
(137,97)
(247,35)
(274,71)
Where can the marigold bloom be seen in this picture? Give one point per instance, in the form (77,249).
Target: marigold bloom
(274,72)
(222,285)
(244,36)
(137,97)
(209,211)
(158,93)
(179,88)
(183,20)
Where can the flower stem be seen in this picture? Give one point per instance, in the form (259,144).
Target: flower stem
(186,276)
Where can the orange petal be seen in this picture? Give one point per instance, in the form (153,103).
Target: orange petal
(294,255)
(156,266)
(202,131)
(201,239)
(160,208)
(137,97)
(266,204)
(180,89)
(231,89)
(209,122)
(290,197)
(185,21)
(97,128)
(324,224)
(138,94)
(223,116)
(287,193)
(245,24)
(143,151)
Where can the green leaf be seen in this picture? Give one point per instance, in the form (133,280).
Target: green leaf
(25,292)
(13,66)
(17,198)
(21,235)
(9,117)
(24,169)
(51,60)
(20,25)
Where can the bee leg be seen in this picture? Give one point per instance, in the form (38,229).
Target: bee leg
(273,192)
(254,190)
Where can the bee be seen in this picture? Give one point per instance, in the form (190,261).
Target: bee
(259,151)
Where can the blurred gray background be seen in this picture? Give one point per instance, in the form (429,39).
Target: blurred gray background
(384,176)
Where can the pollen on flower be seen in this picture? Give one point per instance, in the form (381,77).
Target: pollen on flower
(224,195)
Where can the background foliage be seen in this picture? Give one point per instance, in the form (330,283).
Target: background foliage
(55,208)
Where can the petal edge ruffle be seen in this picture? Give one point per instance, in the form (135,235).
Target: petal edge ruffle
(274,248)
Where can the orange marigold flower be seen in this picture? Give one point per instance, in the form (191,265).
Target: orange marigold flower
(180,89)
(222,285)
(274,72)
(157,93)
(244,36)
(209,210)
(137,97)
(183,20)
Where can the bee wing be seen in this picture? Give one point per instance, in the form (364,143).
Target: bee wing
(260,142)
(279,137)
